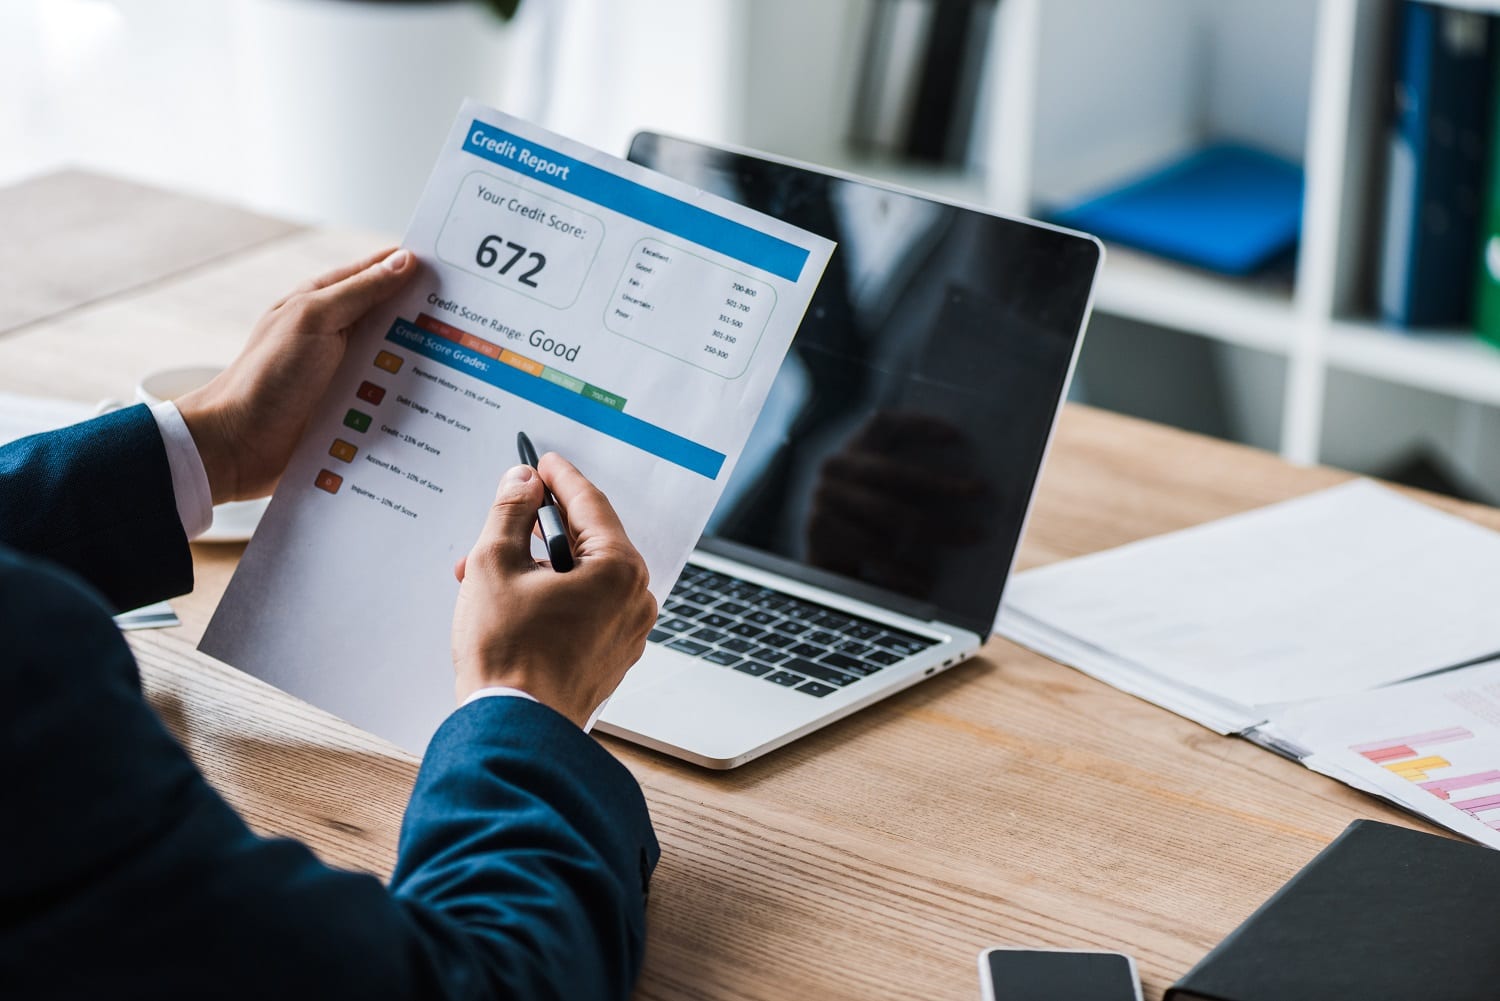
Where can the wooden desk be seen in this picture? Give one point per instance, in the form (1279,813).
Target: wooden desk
(1011,800)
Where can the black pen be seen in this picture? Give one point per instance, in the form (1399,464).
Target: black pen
(554,530)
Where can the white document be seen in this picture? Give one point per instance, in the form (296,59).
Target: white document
(1339,591)
(1430,745)
(629,322)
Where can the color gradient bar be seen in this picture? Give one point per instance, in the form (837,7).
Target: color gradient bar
(600,416)
(448,332)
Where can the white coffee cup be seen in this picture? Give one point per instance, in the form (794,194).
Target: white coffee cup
(235,521)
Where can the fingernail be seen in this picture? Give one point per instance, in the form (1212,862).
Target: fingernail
(518,474)
(398,260)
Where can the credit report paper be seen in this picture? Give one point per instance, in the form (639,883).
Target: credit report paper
(627,321)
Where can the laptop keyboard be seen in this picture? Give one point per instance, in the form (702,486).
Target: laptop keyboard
(787,641)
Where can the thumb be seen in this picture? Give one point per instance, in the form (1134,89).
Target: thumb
(505,541)
(350,298)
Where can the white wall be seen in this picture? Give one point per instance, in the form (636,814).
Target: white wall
(166,91)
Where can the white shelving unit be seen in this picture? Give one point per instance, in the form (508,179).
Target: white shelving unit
(1081,94)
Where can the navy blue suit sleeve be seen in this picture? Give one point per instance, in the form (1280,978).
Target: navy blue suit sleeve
(540,841)
(520,875)
(97,499)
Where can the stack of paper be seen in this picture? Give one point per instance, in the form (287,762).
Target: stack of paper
(1339,591)
(1300,626)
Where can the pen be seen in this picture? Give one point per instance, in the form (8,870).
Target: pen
(549,517)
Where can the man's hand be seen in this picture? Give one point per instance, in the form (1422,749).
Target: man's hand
(566,639)
(249,418)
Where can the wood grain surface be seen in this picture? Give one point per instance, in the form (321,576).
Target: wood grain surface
(73,237)
(1009,801)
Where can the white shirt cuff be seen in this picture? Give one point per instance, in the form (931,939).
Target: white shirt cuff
(483,693)
(195,506)
(493,690)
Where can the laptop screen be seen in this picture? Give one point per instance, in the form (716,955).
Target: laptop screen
(899,446)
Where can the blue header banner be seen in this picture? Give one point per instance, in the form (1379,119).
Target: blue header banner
(690,222)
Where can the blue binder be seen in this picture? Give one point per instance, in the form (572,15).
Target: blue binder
(1225,207)
(1434,187)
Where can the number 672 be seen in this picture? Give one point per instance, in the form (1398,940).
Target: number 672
(489,253)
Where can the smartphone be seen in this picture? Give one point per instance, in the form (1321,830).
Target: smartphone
(1057,975)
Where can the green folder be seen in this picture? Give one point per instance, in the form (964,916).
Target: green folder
(1487,297)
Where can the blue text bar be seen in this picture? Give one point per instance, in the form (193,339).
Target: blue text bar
(590,413)
(743,243)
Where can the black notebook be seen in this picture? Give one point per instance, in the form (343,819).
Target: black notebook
(1382,914)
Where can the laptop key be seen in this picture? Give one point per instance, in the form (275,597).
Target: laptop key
(683,610)
(716,621)
(731,608)
(808,650)
(849,646)
(777,640)
(822,638)
(833,620)
(689,647)
(724,658)
(676,625)
(902,643)
(659,636)
(738,645)
(862,632)
(843,662)
(817,688)
(792,626)
(752,667)
(698,597)
(769,655)
(746,629)
(883,658)
(820,671)
(786,679)
(761,617)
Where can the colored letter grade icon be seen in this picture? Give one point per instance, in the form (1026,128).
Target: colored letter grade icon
(343,451)
(356,420)
(328,480)
(370,393)
(391,363)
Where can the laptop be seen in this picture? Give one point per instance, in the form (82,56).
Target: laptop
(864,538)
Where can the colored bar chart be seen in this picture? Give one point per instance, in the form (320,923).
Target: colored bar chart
(1405,758)
(527,379)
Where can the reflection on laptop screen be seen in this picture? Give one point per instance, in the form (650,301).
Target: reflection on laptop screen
(900,443)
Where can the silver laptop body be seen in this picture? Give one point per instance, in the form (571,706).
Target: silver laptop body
(864,538)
